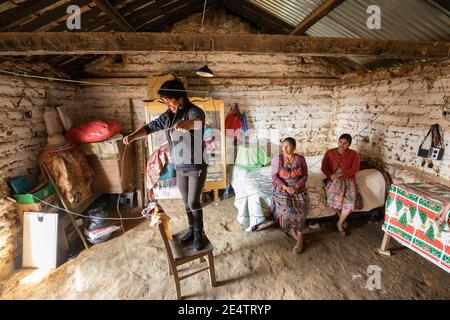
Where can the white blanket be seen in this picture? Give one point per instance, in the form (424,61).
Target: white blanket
(253,190)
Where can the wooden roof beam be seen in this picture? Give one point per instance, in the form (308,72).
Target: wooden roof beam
(44,43)
(314,17)
(114,15)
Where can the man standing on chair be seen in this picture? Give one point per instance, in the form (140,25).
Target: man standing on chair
(184,124)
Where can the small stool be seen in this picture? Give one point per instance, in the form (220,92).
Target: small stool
(179,253)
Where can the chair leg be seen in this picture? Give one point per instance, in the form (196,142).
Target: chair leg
(212,271)
(170,266)
(177,283)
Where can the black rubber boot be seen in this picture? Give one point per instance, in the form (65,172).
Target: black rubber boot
(188,236)
(198,240)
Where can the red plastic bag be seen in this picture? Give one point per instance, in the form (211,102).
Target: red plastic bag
(94,131)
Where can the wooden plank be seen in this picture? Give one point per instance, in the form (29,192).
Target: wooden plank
(272,23)
(49,17)
(146,14)
(174,16)
(314,17)
(22,11)
(257,16)
(114,15)
(145,17)
(137,168)
(444,4)
(44,43)
(88,18)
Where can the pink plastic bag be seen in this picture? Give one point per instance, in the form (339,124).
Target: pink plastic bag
(94,131)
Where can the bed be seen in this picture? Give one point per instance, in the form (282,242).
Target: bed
(252,187)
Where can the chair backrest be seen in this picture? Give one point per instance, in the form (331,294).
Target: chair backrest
(166,241)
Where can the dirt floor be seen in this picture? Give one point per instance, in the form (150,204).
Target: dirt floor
(258,265)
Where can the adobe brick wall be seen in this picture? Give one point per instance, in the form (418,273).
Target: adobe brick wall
(21,140)
(394,138)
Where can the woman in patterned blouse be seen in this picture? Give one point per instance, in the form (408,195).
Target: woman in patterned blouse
(290,198)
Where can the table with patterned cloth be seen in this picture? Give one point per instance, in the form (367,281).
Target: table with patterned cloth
(417,216)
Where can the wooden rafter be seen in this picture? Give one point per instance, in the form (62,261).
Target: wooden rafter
(10,16)
(175,15)
(114,15)
(49,17)
(44,43)
(259,17)
(444,4)
(314,17)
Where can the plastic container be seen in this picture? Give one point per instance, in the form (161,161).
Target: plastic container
(34,197)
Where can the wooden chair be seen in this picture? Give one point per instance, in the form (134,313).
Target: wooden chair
(179,254)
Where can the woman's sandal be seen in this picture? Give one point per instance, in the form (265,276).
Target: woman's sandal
(342,232)
(296,250)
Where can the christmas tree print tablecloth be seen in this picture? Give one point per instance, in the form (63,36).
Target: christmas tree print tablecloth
(417,216)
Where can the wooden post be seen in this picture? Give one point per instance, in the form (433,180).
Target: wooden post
(139,182)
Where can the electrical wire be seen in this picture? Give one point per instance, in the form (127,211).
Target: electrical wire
(203,16)
(24,74)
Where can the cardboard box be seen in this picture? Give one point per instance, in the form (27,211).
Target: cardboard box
(110,177)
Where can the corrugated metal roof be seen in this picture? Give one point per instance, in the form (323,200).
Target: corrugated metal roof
(400,20)
(290,11)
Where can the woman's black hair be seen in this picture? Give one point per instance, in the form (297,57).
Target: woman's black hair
(172,89)
(347,137)
(291,141)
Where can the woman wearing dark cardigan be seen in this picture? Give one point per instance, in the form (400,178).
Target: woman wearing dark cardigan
(183,123)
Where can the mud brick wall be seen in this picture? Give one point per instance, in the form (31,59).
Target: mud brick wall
(393,139)
(22,137)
